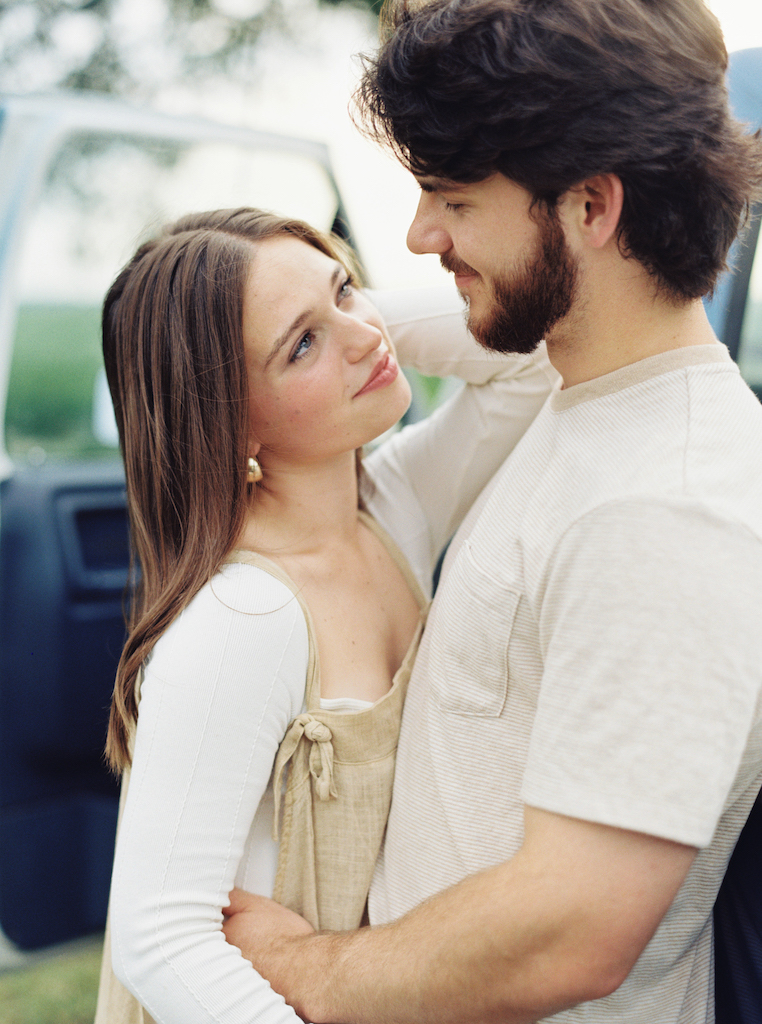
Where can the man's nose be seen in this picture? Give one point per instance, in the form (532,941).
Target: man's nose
(426,233)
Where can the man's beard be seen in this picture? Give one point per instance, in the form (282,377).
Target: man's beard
(530,302)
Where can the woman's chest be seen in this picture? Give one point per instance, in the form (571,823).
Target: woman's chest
(363,629)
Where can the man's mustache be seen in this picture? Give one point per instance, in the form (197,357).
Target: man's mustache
(455,265)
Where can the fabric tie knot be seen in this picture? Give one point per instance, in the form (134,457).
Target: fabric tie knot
(319,760)
(318,732)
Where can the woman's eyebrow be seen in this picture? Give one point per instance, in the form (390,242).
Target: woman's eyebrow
(300,321)
(283,339)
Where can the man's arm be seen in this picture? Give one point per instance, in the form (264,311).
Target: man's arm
(561,923)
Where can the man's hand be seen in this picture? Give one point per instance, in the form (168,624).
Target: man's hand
(561,923)
(254,923)
(266,933)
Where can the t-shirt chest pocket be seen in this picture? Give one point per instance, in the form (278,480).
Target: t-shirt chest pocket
(468,640)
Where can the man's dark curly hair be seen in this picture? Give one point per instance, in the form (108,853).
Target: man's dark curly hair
(551,92)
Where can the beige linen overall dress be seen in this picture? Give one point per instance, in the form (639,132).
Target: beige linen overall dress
(339,769)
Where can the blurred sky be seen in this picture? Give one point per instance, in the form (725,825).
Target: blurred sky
(303,87)
(381,197)
(741,22)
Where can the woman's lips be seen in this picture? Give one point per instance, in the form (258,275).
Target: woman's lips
(384,372)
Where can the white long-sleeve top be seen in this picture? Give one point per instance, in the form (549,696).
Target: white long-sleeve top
(227,677)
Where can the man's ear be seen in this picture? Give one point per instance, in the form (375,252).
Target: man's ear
(594,207)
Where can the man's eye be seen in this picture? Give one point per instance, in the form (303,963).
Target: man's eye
(453,206)
(301,348)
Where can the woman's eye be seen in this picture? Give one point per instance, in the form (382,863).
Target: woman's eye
(347,288)
(301,348)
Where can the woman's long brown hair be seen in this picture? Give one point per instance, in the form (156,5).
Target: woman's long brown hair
(174,356)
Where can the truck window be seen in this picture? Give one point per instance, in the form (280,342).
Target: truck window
(101,196)
(750,347)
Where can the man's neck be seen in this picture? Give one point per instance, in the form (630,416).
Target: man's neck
(618,320)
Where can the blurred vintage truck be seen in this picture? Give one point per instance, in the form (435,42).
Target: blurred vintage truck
(80,179)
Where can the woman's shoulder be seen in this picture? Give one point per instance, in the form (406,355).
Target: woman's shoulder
(240,598)
(250,584)
(243,608)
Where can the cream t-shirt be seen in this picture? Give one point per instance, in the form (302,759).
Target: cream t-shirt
(594,649)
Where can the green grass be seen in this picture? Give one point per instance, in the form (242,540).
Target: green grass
(426,389)
(56,357)
(58,989)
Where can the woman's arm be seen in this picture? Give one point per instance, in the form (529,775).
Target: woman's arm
(219,691)
(424,479)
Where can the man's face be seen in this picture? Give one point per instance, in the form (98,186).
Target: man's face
(514,269)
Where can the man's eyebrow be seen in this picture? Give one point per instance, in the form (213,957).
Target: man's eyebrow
(434,184)
(299,322)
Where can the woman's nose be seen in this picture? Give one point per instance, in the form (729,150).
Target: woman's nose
(426,234)
(362,337)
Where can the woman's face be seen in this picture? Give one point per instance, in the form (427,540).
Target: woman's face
(323,379)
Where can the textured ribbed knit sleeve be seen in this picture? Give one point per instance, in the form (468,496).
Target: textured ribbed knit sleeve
(219,691)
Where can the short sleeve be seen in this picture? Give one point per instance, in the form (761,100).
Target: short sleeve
(650,630)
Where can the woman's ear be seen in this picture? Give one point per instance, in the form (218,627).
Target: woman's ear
(594,207)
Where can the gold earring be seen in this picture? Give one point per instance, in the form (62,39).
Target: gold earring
(253,471)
